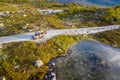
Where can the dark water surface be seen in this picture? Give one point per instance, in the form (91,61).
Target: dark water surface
(89,60)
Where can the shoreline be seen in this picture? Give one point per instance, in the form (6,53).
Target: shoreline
(52,74)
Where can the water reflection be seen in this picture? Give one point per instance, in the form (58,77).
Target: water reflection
(89,60)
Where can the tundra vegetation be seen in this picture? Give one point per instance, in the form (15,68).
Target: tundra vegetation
(23,54)
(20,16)
(109,37)
(17,59)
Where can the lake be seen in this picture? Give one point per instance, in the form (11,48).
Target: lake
(89,60)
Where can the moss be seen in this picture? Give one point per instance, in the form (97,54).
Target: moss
(25,53)
(109,37)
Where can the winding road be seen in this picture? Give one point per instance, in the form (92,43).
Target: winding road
(56,32)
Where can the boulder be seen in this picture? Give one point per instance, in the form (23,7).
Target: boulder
(38,63)
(1,25)
(2,78)
(24,27)
(24,15)
(16,67)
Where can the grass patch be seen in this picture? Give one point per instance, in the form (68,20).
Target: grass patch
(109,37)
(25,53)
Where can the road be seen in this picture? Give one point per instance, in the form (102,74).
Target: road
(56,32)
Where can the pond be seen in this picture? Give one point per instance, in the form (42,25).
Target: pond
(89,60)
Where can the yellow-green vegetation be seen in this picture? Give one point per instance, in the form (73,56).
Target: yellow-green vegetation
(7,7)
(38,3)
(83,16)
(48,4)
(24,16)
(55,22)
(73,8)
(89,16)
(15,1)
(109,37)
(111,15)
(37,22)
(24,13)
(23,54)
(17,17)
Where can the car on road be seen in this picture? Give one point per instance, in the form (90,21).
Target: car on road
(39,34)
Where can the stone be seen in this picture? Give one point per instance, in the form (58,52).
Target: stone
(68,24)
(24,27)
(1,25)
(53,64)
(16,67)
(2,28)
(38,63)
(27,24)
(54,78)
(53,74)
(35,28)
(30,30)
(24,15)
(3,78)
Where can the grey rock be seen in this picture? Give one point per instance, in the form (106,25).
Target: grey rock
(16,67)
(38,63)
(3,78)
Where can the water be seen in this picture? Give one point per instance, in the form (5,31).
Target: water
(89,60)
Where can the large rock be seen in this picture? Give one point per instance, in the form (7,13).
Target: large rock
(2,78)
(38,63)
(1,25)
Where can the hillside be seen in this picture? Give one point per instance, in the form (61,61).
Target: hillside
(29,60)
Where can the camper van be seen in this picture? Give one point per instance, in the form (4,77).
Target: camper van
(39,34)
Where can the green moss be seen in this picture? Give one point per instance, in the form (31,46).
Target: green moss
(7,7)
(25,53)
(109,37)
